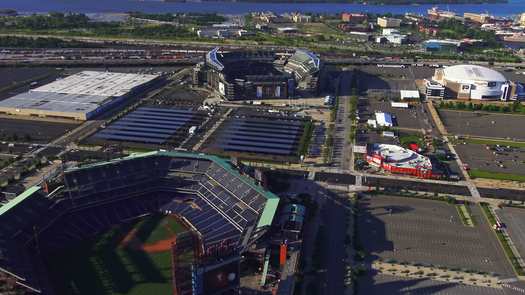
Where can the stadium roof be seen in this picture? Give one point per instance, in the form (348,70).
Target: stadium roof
(473,72)
(211,57)
(272,201)
(18,199)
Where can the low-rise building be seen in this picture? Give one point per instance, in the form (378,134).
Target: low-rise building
(447,45)
(480,18)
(434,90)
(388,22)
(384,119)
(355,18)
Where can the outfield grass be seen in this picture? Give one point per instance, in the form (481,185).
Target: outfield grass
(494,142)
(103,266)
(478,173)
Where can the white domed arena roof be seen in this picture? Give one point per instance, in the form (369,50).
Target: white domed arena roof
(472,72)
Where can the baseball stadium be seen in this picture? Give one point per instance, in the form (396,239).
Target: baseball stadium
(151,223)
(244,75)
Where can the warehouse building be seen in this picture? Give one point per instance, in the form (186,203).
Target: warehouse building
(80,96)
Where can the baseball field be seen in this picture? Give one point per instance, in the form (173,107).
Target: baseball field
(129,259)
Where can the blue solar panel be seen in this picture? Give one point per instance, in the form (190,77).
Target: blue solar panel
(136,124)
(161,115)
(165,110)
(256,139)
(139,120)
(259,134)
(135,133)
(263,130)
(279,123)
(270,126)
(129,138)
(157,118)
(233,142)
(134,128)
(255,149)
(148,124)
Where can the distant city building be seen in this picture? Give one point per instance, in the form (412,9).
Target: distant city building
(522,19)
(297,17)
(390,31)
(431,30)
(392,36)
(222,33)
(388,22)
(475,82)
(447,45)
(348,27)
(287,30)
(79,96)
(355,18)
(435,14)
(480,18)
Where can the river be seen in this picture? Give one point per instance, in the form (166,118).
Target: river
(98,6)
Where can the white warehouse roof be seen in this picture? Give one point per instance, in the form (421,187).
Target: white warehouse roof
(472,73)
(97,83)
(78,96)
(409,94)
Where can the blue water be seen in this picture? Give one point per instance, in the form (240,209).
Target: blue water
(91,6)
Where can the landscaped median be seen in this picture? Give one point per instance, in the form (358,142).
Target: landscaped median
(478,173)
(516,144)
(503,240)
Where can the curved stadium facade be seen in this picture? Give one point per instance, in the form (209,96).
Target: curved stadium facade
(242,75)
(223,207)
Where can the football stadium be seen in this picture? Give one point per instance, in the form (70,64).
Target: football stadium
(151,223)
(243,75)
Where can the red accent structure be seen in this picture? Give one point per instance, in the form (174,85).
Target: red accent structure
(420,172)
(282,254)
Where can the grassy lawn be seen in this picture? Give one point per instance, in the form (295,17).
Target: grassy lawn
(405,140)
(478,173)
(103,266)
(494,142)
(464,214)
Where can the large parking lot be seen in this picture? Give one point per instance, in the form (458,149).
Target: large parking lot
(380,284)
(514,218)
(12,130)
(414,117)
(428,232)
(385,78)
(483,124)
(484,157)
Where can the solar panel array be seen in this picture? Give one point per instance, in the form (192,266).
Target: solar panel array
(148,125)
(250,135)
